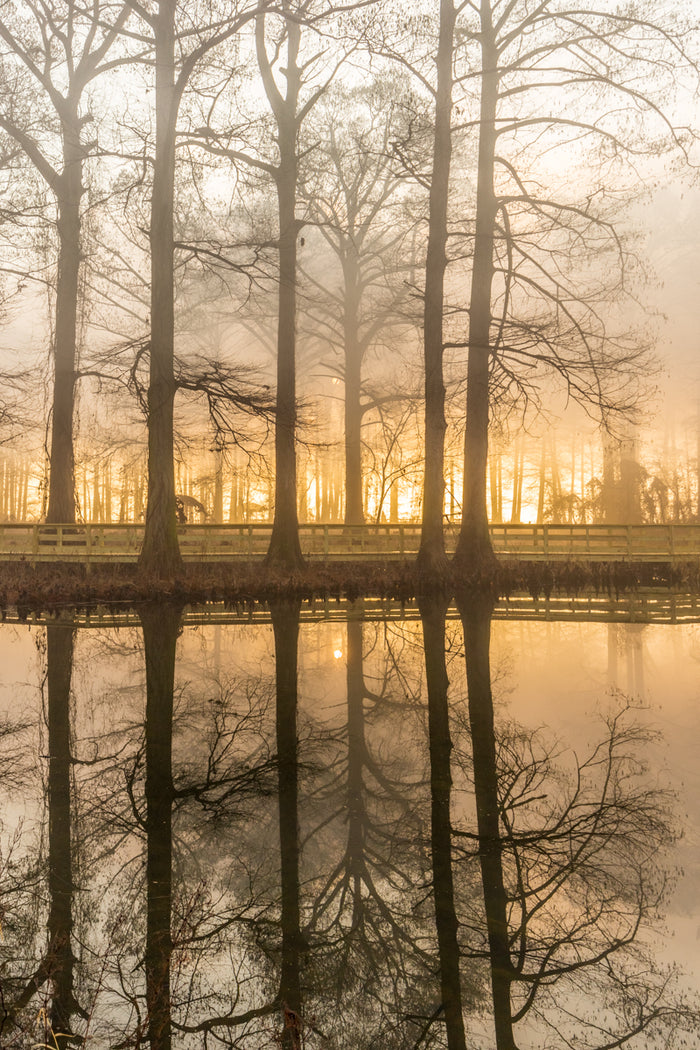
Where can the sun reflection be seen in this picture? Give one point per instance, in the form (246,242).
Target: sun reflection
(338,654)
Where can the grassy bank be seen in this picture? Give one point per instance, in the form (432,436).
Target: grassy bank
(54,587)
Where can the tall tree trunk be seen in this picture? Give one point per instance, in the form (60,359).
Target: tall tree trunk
(69,191)
(354,514)
(218,502)
(160,553)
(474,544)
(160,625)
(285,548)
(542,483)
(432,615)
(285,625)
(431,553)
(518,466)
(476,624)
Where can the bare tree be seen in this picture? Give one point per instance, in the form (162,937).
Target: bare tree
(554,79)
(359,204)
(160,552)
(55,51)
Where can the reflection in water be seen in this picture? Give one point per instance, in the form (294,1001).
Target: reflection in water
(385,866)
(440,745)
(475,614)
(160,630)
(60,957)
(51,984)
(570,847)
(285,625)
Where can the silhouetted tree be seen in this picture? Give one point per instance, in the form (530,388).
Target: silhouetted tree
(526,311)
(57,50)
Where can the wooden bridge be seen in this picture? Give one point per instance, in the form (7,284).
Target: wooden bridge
(641,607)
(95,543)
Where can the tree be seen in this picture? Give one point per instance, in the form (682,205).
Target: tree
(355,199)
(431,554)
(58,49)
(567,78)
(571,854)
(160,552)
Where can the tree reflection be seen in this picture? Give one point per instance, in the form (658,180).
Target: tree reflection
(285,625)
(55,967)
(161,626)
(571,853)
(433,620)
(373,958)
(272,877)
(476,623)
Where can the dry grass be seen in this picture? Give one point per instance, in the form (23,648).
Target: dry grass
(48,588)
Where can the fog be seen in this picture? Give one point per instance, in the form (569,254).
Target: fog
(591,295)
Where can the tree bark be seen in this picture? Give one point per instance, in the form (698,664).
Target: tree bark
(69,191)
(285,548)
(161,553)
(431,554)
(354,512)
(474,543)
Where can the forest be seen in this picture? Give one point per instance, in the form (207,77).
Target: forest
(301,261)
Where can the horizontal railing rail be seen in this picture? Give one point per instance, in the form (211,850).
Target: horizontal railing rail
(641,607)
(105,542)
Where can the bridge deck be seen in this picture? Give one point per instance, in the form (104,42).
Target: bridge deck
(95,543)
(642,607)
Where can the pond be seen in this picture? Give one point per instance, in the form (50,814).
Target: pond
(354,828)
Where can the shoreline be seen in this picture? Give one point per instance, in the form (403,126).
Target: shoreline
(44,588)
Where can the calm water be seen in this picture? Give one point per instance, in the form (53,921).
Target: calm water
(323,835)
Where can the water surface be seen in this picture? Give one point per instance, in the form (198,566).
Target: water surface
(321,834)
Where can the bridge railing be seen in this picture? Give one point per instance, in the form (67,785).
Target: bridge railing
(106,542)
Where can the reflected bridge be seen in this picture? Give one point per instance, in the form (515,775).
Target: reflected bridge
(104,543)
(641,607)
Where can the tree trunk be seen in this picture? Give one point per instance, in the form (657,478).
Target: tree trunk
(432,615)
(218,502)
(160,630)
(285,625)
(474,544)
(285,549)
(431,553)
(354,514)
(476,625)
(518,467)
(160,553)
(69,191)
